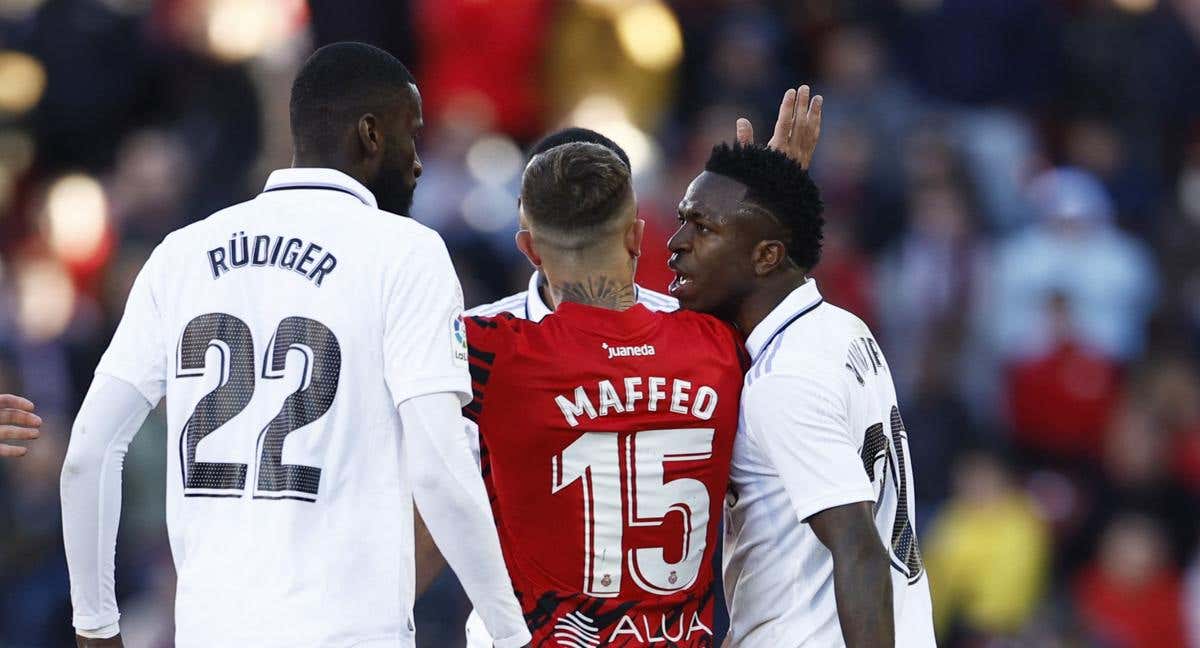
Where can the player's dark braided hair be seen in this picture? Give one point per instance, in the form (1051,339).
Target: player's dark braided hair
(778,185)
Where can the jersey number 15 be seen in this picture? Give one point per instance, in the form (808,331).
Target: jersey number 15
(595,460)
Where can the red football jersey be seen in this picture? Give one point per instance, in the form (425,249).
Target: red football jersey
(605,443)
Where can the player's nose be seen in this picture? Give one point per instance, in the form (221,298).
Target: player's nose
(679,241)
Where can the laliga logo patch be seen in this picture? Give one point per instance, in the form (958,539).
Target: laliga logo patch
(458,339)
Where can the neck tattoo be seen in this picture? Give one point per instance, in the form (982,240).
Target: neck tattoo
(603,292)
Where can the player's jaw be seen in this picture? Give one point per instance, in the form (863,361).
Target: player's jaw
(396,176)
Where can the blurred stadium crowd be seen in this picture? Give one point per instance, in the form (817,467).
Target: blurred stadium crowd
(1013,200)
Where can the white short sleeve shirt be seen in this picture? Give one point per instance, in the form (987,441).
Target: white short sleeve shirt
(820,429)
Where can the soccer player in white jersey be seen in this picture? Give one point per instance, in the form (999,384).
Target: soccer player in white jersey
(819,542)
(534,303)
(311,349)
(17,423)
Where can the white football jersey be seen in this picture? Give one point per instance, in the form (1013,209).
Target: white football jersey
(284,331)
(529,305)
(820,428)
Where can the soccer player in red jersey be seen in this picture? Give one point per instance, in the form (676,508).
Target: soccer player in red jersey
(606,429)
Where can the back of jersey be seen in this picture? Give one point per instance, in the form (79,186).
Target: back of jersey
(284,331)
(606,438)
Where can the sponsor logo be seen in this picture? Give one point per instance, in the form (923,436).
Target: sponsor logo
(627,351)
(458,339)
(576,630)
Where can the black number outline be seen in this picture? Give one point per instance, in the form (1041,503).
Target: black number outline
(231,336)
(236,388)
(322,359)
(904,546)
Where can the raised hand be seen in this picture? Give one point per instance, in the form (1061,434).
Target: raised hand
(797,128)
(17,423)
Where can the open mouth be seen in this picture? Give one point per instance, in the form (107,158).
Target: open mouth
(681,282)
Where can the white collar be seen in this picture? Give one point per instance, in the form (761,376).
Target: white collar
(801,300)
(313,178)
(535,307)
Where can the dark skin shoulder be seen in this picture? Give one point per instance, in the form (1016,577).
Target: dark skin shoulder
(862,579)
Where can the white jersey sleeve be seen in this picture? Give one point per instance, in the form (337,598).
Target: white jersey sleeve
(450,494)
(425,340)
(800,422)
(111,415)
(135,354)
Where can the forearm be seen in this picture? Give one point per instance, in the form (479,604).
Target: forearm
(863,587)
(862,577)
(450,495)
(111,415)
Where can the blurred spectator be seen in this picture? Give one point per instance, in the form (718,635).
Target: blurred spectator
(1106,276)
(987,554)
(1130,596)
(870,99)
(496,78)
(33,576)
(1095,146)
(845,274)
(1061,400)
(925,282)
(1136,477)
(979,51)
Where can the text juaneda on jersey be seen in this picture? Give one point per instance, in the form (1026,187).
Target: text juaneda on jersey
(679,399)
(283,252)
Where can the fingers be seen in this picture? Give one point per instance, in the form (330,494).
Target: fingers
(814,111)
(802,105)
(745,131)
(18,425)
(11,401)
(12,451)
(787,117)
(19,417)
(16,433)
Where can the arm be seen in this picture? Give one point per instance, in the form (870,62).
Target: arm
(430,562)
(862,579)
(451,498)
(802,422)
(111,415)
(17,423)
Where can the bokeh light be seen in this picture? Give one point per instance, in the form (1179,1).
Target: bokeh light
(494,159)
(606,115)
(488,209)
(1135,6)
(22,82)
(45,299)
(650,35)
(238,30)
(75,217)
